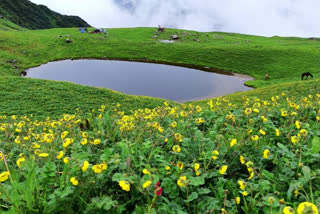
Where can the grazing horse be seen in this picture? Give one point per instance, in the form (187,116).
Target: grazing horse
(306,74)
(266,76)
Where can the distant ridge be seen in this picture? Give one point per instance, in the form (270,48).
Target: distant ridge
(32,16)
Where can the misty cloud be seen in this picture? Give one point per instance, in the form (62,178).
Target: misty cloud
(259,17)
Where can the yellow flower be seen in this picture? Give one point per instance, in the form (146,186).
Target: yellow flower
(176,148)
(146,184)
(199,120)
(20,160)
(182,181)
(198,109)
(67,142)
(277,132)
(249,164)
(288,210)
(167,168)
(262,132)
(96,142)
(35,146)
(178,137)
(180,165)
(66,160)
(60,155)
(247,111)
(237,200)
(303,132)
(84,141)
(74,181)
(244,193)
(266,153)
(98,168)
(174,124)
(251,173)
(160,129)
(223,211)
(4,176)
(298,124)
(233,142)
(294,139)
(242,159)
(84,134)
(85,166)
(256,110)
(64,134)
(125,185)
(242,184)
(17,140)
(183,114)
(196,166)
(306,208)
(215,154)
(223,169)
(255,137)
(43,155)
(146,172)
(284,113)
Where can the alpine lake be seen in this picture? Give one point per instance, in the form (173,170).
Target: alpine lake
(180,84)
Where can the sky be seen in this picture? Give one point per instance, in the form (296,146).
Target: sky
(299,18)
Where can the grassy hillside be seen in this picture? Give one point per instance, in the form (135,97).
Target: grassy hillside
(284,59)
(32,16)
(6,25)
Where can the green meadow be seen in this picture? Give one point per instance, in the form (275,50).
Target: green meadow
(68,148)
(283,59)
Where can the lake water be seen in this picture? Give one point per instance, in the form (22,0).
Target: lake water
(156,80)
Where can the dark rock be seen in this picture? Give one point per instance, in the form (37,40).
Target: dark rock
(9,61)
(59,36)
(1,17)
(68,40)
(23,73)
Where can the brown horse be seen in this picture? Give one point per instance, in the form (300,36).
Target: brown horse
(306,74)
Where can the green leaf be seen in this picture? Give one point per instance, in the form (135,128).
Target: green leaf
(192,196)
(268,175)
(203,191)
(306,172)
(283,147)
(315,145)
(196,181)
(117,177)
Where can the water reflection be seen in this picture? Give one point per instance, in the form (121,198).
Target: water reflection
(156,80)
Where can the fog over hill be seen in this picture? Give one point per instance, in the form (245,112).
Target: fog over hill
(259,17)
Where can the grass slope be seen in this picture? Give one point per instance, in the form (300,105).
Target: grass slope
(6,25)
(284,59)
